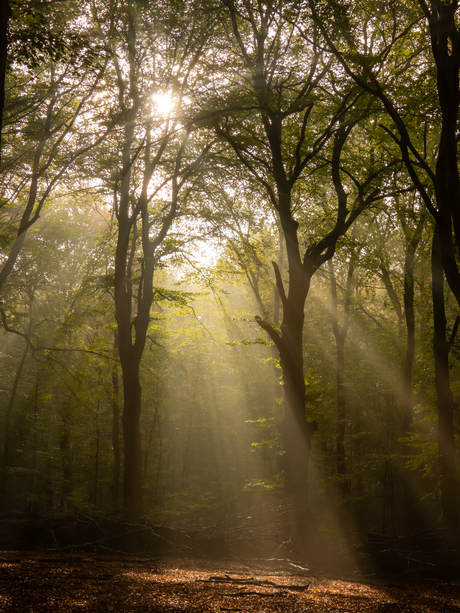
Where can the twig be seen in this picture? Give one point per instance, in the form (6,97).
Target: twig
(251,581)
(238,594)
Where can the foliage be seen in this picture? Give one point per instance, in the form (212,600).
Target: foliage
(190,233)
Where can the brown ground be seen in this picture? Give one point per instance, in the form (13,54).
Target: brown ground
(32,582)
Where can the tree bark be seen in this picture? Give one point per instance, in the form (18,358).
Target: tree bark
(296,431)
(410,477)
(115,430)
(282,163)
(9,409)
(66,456)
(340,338)
(132,481)
(5,15)
(445,400)
(129,359)
(445,45)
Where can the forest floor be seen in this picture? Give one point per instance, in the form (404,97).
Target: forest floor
(64,583)
(97,565)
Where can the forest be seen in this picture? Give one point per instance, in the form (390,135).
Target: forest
(229,263)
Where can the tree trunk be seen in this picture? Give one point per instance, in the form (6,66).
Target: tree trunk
(445,45)
(66,462)
(96,459)
(340,338)
(5,15)
(445,400)
(32,506)
(9,409)
(132,481)
(282,167)
(410,477)
(344,483)
(115,431)
(296,431)
(130,356)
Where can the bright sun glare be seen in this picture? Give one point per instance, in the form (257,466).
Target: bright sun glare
(162,104)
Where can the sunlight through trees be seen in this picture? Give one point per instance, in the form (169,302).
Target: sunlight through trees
(229,270)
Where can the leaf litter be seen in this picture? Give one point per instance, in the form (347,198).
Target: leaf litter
(34,583)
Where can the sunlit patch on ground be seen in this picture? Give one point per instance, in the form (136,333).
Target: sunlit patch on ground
(102,584)
(4,600)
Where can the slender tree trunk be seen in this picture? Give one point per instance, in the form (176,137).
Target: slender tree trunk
(32,208)
(115,430)
(15,250)
(342,473)
(157,489)
(152,431)
(9,409)
(280,264)
(445,400)
(410,477)
(5,15)
(33,505)
(130,356)
(66,461)
(340,338)
(96,459)
(66,454)
(277,386)
(406,321)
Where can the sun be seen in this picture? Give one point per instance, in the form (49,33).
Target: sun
(162,104)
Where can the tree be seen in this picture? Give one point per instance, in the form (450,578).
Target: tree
(408,219)
(340,334)
(430,155)
(158,165)
(47,307)
(5,15)
(287,115)
(446,404)
(41,129)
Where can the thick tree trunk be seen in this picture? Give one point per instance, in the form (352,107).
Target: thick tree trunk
(445,400)
(445,45)
(281,169)
(296,433)
(295,430)
(132,481)
(132,398)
